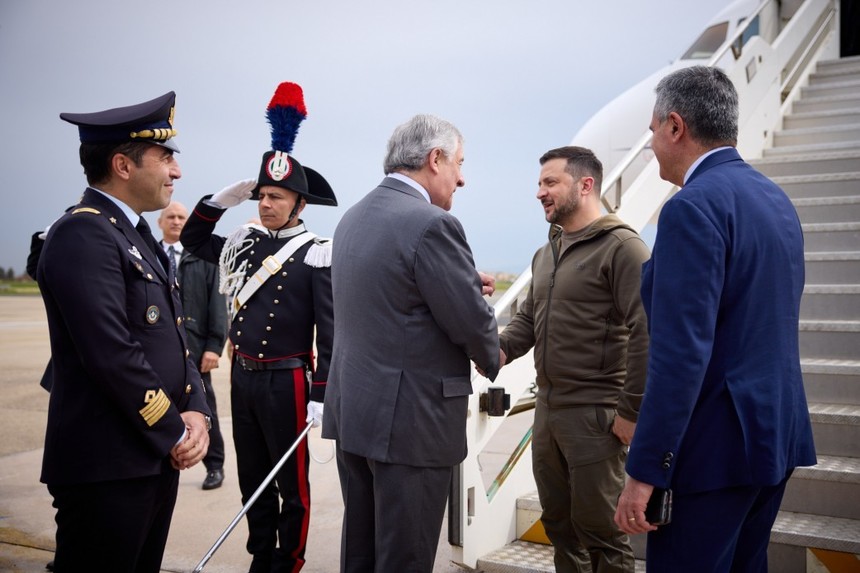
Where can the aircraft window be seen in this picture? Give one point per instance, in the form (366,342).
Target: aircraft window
(708,43)
(752,30)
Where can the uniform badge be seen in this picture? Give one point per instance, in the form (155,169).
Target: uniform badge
(279,166)
(112,220)
(157,404)
(152,314)
(134,252)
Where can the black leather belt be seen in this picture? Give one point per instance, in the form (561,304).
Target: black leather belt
(256,365)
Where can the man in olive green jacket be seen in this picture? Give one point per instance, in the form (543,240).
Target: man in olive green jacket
(584,318)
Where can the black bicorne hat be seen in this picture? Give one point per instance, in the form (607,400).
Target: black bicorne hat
(285,113)
(150,122)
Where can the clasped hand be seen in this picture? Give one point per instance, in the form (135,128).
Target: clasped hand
(193,448)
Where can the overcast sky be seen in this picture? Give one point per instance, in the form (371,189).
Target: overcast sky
(517,78)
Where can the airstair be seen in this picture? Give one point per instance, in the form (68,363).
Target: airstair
(800,125)
(815,158)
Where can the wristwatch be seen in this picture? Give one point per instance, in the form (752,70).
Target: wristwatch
(208,422)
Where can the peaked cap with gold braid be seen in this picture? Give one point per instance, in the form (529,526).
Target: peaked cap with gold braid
(150,122)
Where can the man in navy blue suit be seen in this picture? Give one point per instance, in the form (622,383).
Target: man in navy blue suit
(724,419)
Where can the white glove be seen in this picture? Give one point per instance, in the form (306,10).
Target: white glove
(315,413)
(232,195)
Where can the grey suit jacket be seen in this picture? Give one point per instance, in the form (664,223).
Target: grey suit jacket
(408,316)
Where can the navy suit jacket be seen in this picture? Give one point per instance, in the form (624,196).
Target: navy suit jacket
(119,364)
(408,317)
(724,402)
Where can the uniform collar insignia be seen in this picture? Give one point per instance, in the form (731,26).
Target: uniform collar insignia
(113,220)
(288,233)
(134,252)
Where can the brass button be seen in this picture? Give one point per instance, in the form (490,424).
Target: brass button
(260,355)
(265,343)
(188,389)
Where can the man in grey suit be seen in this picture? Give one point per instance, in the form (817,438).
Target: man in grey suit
(409,315)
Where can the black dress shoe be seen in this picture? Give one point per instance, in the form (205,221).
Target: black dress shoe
(214,479)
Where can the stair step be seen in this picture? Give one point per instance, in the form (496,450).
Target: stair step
(842,209)
(812,148)
(831,236)
(806,530)
(849,86)
(836,429)
(849,72)
(806,164)
(832,267)
(525,557)
(832,487)
(821,119)
(831,381)
(820,184)
(834,66)
(839,339)
(845,132)
(826,103)
(830,302)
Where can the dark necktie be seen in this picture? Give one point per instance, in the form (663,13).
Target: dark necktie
(153,246)
(171,255)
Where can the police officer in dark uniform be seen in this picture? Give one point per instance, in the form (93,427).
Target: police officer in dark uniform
(282,292)
(127,408)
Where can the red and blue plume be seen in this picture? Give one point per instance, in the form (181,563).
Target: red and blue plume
(285,113)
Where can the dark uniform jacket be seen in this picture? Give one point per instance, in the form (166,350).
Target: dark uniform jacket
(120,371)
(278,321)
(205,308)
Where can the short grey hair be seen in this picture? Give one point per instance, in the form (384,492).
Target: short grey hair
(412,141)
(707,101)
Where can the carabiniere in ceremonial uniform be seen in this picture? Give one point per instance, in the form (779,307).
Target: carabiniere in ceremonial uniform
(278,278)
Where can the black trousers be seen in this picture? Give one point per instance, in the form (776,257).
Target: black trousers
(214,459)
(269,412)
(115,526)
(392,515)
